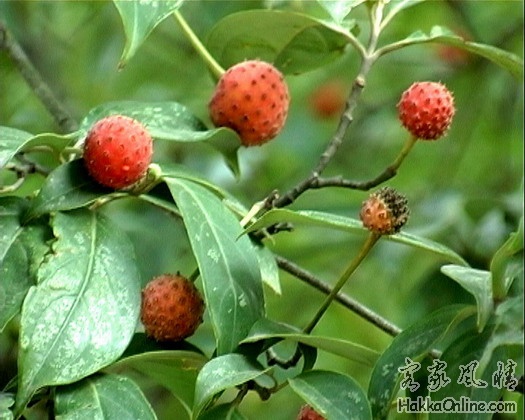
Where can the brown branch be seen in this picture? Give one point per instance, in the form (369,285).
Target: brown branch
(344,123)
(34,79)
(342,298)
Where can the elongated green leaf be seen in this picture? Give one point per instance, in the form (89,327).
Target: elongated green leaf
(13,141)
(228,264)
(221,373)
(21,251)
(479,284)
(139,19)
(175,369)
(102,397)
(501,281)
(413,342)
(440,34)
(267,329)
(82,313)
(347,224)
(333,395)
(68,187)
(294,43)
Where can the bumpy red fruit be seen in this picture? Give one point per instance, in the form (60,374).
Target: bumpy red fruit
(251,98)
(384,212)
(117,151)
(426,110)
(308,413)
(171,309)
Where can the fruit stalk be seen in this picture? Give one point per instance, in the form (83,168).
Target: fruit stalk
(212,64)
(365,249)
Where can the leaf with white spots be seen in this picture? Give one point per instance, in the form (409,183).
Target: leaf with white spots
(139,19)
(413,342)
(169,121)
(83,311)
(21,250)
(333,395)
(102,397)
(227,262)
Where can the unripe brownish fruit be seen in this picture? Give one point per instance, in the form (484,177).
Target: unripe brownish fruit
(252,99)
(385,212)
(172,308)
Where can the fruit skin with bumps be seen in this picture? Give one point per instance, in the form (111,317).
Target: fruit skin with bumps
(171,308)
(426,110)
(308,413)
(117,151)
(385,211)
(252,99)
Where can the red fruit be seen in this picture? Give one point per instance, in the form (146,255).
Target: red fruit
(171,309)
(384,212)
(308,413)
(426,110)
(117,151)
(328,100)
(252,99)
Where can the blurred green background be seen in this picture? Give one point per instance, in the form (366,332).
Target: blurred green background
(465,191)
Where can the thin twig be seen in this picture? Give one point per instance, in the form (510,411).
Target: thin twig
(348,302)
(368,58)
(33,78)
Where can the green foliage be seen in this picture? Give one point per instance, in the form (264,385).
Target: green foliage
(263,230)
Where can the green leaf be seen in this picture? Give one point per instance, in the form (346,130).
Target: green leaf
(14,141)
(413,342)
(82,313)
(266,329)
(68,187)
(176,370)
(102,397)
(227,411)
(170,121)
(269,269)
(221,373)
(465,350)
(227,263)
(333,221)
(505,59)
(508,328)
(333,395)
(139,19)
(21,251)
(479,284)
(164,120)
(294,43)
(501,281)
(339,9)
(6,401)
